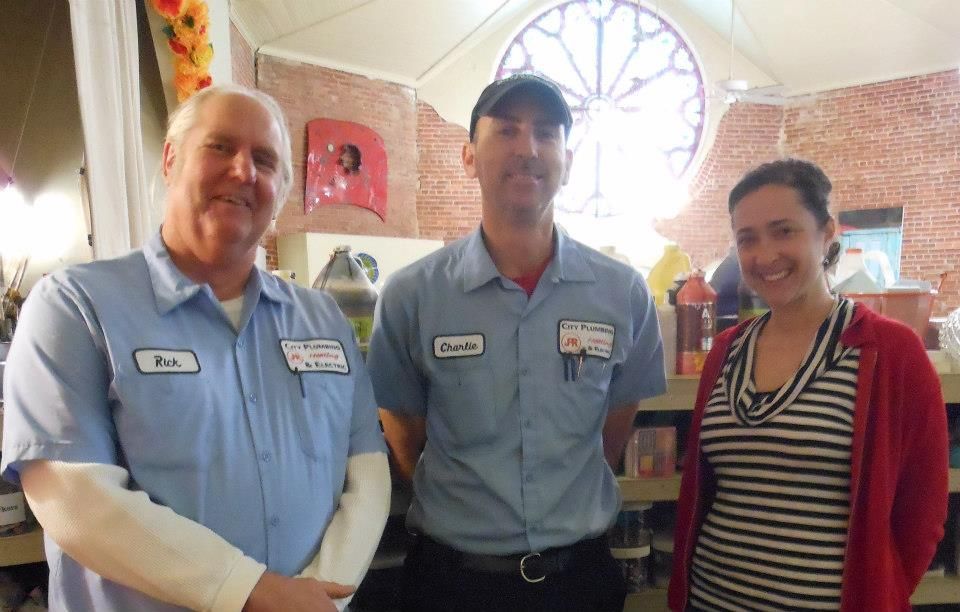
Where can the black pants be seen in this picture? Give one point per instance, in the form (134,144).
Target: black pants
(591,582)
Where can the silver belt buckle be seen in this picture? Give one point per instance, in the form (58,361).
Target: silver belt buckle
(523,569)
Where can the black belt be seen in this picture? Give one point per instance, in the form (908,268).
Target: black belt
(532,567)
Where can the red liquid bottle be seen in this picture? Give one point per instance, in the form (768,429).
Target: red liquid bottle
(696,323)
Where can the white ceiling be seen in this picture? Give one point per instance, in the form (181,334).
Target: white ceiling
(806,45)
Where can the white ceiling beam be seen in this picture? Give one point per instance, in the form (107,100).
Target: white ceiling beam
(468,42)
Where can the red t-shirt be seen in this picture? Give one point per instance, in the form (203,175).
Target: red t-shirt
(529,281)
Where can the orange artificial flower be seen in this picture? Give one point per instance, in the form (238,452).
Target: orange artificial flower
(186,30)
(176,47)
(168,9)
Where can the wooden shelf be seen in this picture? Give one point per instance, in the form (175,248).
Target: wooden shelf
(23,548)
(667,489)
(681,395)
(937,590)
(950,384)
(653,600)
(933,590)
(650,489)
(954,483)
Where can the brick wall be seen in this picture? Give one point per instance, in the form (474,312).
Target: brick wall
(448,203)
(242,59)
(894,144)
(883,145)
(747,135)
(307,92)
(243,69)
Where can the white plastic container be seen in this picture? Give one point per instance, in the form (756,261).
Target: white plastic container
(667,315)
(853,275)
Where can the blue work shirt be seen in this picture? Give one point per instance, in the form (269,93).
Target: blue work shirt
(514,458)
(129,362)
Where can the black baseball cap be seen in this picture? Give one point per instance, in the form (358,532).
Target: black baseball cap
(544,87)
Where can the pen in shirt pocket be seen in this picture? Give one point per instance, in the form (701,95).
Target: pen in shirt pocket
(573,365)
(299,375)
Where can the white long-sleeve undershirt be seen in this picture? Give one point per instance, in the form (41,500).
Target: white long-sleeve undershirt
(120,534)
(354,532)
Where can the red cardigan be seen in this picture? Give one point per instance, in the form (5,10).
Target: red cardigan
(898,471)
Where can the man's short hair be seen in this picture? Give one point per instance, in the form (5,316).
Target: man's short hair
(546,91)
(183,119)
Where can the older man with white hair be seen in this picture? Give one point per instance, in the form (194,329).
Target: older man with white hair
(190,431)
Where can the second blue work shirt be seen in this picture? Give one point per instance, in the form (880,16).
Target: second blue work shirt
(514,457)
(129,362)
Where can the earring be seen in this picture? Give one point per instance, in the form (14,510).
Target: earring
(833,251)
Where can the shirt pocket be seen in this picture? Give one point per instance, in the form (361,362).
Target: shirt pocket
(466,405)
(584,400)
(167,421)
(324,414)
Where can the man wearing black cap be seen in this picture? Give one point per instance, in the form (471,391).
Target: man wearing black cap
(509,365)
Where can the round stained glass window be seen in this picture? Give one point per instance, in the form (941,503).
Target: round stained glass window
(636,93)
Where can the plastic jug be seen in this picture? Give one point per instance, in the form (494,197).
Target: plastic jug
(345,280)
(725,281)
(696,323)
(851,263)
(672,263)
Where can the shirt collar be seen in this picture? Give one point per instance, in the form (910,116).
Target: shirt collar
(171,287)
(568,263)
(861,331)
(477,268)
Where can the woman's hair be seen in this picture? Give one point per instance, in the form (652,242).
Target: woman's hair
(809,181)
(805,177)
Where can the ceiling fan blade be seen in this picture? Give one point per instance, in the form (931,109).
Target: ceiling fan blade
(733,85)
(768,90)
(761,99)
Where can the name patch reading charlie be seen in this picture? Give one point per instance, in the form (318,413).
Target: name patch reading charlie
(166,361)
(316,355)
(465,345)
(585,337)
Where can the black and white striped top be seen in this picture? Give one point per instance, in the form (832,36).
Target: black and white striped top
(775,534)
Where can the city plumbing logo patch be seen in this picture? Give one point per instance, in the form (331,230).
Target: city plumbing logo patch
(462,345)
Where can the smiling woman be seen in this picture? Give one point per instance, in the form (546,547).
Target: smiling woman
(781,464)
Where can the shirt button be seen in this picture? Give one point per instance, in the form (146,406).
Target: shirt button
(275,521)
(266,456)
(528,478)
(524,371)
(528,423)
(239,343)
(252,397)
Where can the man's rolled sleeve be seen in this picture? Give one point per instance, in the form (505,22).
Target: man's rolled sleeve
(365,434)
(56,384)
(397,383)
